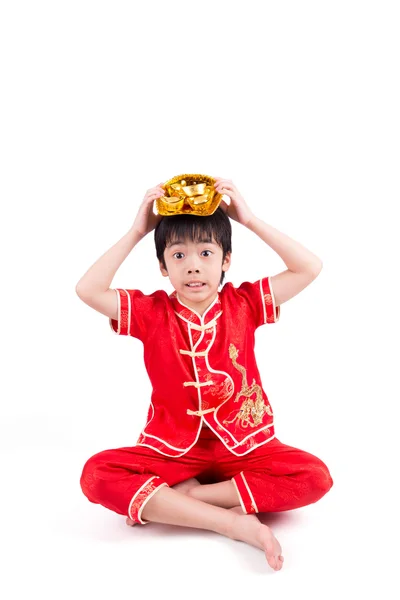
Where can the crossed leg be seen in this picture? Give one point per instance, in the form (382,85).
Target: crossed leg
(217,511)
(220,494)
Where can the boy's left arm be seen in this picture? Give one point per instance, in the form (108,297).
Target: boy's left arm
(303,265)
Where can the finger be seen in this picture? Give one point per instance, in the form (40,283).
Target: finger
(225,186)
(150,197)
(225,192)
(222,180)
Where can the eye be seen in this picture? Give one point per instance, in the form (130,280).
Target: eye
(177,253)
(207,251)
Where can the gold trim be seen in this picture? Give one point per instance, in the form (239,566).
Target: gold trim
(145,501)
(240,497)
(253,502)
(138,492)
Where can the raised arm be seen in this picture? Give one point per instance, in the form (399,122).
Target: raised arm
(94,287)
(302,265)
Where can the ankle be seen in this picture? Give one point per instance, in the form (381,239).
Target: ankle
(231,525)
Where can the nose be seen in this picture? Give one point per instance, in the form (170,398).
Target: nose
(193,263)
(193,267)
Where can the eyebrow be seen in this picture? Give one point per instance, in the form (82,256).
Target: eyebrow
(203,241)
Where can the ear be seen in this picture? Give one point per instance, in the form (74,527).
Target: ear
(164,271)
(227,262)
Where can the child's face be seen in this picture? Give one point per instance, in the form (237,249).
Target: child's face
(201,261)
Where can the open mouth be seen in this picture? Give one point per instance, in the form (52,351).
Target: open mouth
(195,286)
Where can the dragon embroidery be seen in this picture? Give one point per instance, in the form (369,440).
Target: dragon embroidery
(252,411)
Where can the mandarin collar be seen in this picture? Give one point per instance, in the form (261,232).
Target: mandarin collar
(190,314)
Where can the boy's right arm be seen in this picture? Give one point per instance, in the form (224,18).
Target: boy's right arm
(94,287)
(104,302)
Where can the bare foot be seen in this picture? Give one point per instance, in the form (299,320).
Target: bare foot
(247,529)
(183,487)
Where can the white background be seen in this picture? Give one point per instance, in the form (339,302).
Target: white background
(298,104)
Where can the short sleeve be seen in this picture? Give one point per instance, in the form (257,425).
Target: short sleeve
(261,301)
(136,312)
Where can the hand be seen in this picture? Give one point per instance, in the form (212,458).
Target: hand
(146,220)
(237,209)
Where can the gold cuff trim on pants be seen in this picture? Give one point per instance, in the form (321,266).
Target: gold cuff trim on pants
(141,497)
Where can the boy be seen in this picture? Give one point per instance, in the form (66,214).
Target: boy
(208,456)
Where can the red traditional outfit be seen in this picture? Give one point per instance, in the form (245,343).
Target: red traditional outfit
(203,371)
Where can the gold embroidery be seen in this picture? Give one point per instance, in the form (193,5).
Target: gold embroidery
(275,310)
(136,504)
(251,412)
(268,299)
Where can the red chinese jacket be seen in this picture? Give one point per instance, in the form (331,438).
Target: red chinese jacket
(202,367)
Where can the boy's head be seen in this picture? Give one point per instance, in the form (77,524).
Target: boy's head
(190,247)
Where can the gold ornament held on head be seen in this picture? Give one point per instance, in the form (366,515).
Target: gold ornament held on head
(189,194)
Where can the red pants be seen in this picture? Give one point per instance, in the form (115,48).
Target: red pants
(273,477)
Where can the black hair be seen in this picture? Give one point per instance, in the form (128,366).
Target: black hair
(216,227)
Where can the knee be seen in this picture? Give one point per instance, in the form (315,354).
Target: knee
(89,482)
(321,479)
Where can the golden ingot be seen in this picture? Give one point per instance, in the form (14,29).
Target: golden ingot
(194,190)
(189,194)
